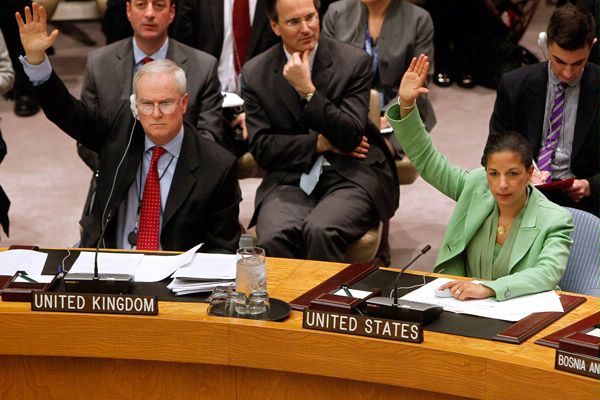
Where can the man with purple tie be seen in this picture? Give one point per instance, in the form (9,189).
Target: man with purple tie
(555,105)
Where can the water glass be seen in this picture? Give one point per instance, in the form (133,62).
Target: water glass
(258,303)
(251,274)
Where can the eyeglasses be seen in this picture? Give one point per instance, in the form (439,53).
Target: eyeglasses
(296,22)
(165,107)
(158,5)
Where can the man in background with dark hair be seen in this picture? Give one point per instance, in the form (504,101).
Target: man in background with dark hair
(555,105)
(306,110)
(233,31)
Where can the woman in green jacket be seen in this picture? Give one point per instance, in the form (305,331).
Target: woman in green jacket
(503,231)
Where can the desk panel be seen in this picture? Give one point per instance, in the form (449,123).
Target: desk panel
(232,358)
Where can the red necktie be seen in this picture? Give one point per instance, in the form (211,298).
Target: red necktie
(146,60)
(241,32)
(150,211)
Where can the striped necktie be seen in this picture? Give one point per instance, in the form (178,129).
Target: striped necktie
(556,121)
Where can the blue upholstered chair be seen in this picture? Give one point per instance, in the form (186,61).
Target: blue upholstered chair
(582,273)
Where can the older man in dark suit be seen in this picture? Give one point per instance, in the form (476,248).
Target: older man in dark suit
(307,105)
(160,185)
(555,105)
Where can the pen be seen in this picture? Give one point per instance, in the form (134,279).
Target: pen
(535,166)
(349,294)
(27,278)
(345,289)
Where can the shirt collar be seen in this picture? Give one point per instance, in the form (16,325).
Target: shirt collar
(173,147)
(138,55)
(311,55)
(555,81)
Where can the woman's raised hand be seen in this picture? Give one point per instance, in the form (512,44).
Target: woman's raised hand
(413,81)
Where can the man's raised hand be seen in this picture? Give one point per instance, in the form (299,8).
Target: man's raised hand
(34,35)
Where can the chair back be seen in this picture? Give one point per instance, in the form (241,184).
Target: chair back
(582,272)
(375,108)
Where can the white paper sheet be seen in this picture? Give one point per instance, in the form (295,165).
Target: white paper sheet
(508,310)
(30,261)
(594,332)
(108,263)
(231,99)
(208,267)
(156,268)
(184,286)
(357,294)
(36,278)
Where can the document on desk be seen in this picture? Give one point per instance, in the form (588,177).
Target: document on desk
(508,310)
(30,261)
(205,272)
(156,268)
(208,267)
(108,263)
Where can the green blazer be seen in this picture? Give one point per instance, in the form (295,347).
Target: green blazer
(541,248)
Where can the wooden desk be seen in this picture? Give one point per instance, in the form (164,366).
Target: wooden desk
(182,353)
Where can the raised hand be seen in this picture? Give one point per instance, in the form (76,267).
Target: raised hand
(413,81)
(34,35)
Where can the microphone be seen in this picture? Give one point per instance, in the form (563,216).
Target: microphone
(423,251)
(403,310)
(96,282)
(103,283)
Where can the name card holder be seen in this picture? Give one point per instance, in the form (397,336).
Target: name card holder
(342,304)
(15,290)
(581,343)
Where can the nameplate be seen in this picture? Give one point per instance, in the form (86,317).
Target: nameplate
(95,303)
(577,364)
(351,324)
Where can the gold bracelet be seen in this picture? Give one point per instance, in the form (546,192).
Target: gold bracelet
(409,107)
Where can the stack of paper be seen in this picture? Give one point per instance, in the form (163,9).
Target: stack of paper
(508,310)
(204,273)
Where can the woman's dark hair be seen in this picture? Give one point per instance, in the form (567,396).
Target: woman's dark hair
(508,141)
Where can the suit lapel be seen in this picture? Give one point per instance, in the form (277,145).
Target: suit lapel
(183,178)
(127,172)
(174,53)
(535,99)
(586,110)
(217,14)
(260,23)
(287,93)
(527,233)
(124,71)
(481,206)
(322,71)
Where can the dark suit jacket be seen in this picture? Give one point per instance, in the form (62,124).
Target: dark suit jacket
(283,132)
(520,106)
(199,23)
(203,202)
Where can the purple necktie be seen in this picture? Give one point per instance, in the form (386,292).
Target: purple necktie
(556,121)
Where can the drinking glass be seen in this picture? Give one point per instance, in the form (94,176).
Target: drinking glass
(251,274)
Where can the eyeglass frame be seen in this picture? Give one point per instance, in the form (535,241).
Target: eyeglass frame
(309,19)
(163,103)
